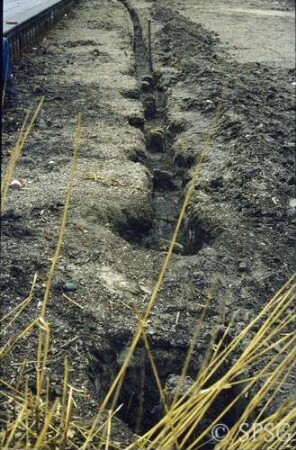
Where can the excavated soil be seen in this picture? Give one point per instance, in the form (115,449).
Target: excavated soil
(142,133)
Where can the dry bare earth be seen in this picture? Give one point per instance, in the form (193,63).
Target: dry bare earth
(239,224)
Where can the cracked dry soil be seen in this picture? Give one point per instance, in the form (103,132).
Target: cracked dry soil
(142,134)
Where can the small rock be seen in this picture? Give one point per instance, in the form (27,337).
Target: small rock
(242,266)
(17,184)
(71,286)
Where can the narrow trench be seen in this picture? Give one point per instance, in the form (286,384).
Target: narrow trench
(168,179)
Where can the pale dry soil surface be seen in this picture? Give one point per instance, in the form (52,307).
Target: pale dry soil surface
(239,230)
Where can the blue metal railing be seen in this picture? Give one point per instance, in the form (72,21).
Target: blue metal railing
(26,34)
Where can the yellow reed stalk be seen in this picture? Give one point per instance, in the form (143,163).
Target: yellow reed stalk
(194,392)
(254,347)
(15,395)
(24,133)
(274,315)
(27,428)
(14,154)
(253,358)
(47,421)
(47,390)
(109,425)
(42,353)
(72,301)
(68,416)
(191,424)
(65,382)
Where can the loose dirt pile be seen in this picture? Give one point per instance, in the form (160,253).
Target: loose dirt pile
(142,136)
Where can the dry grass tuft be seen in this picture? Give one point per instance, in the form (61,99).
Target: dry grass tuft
(262,357)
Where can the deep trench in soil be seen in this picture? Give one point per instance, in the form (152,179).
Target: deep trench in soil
(139,399)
